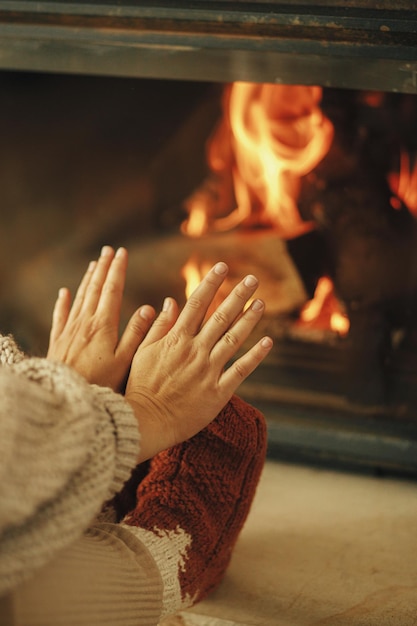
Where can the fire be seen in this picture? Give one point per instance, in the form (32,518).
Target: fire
(197,223)
(193,273)
(324,310)
(270,136)
(404,185)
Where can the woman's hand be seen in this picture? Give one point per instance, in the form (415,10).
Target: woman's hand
(178,382)
(86,335)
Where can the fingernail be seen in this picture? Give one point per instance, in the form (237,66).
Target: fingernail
(146,312)
(257,305)
(250,281)
(106,250)
(266,342)
(120,252)
(62,292)
(220,268)
(91,266)
(166,305)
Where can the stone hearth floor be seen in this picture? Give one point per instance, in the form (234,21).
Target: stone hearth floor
(320,548)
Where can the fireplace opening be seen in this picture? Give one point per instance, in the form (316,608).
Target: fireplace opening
(157,166)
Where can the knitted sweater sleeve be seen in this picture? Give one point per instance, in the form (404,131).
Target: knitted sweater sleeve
(106,577)
(65,448)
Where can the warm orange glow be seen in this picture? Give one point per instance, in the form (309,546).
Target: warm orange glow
(373,99)
(324,310)
(192,276)
(193,273)
(404,184)
(270,136)
(339,323)
(196,225)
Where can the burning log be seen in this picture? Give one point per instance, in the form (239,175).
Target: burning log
(283,159)
(368,238)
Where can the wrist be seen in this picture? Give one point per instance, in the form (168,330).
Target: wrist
(126,432)
(155,434)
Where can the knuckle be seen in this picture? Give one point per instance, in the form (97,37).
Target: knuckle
(220,317)
(137,326)
(212,280)
(111,288)
(94,287)
(231,339)
(240,370)
(160,323)
(194,302)
(240,294)
(172,338)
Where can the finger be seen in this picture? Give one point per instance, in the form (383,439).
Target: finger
(82,289)
(111,296)
(228,311)
(192,315)
(244,366)
(95,286)
(60,314)
(135,331)
(163,323)
(229,343)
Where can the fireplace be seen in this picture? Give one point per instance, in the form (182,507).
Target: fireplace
(74,78)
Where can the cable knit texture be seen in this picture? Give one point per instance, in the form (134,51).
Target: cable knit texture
(9,351)
(195,499)
(61,457)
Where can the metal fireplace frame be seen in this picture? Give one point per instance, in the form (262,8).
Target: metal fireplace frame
(368,44)
(351,44)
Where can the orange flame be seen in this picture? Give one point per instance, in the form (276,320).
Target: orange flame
(324,310)
(270,136)
(404,184)
(193,272)
(197,223)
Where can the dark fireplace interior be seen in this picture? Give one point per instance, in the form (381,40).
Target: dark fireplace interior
(119,159)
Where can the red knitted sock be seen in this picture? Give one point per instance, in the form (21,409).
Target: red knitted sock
(195,498)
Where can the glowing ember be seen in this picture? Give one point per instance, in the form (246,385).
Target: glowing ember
(324,310)
(404,185)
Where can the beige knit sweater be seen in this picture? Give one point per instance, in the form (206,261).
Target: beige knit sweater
(73,555)
(65,448)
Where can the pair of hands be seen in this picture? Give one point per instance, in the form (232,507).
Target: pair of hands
(171,366)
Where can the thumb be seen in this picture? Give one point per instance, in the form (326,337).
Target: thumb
(163,323)
(135,332)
